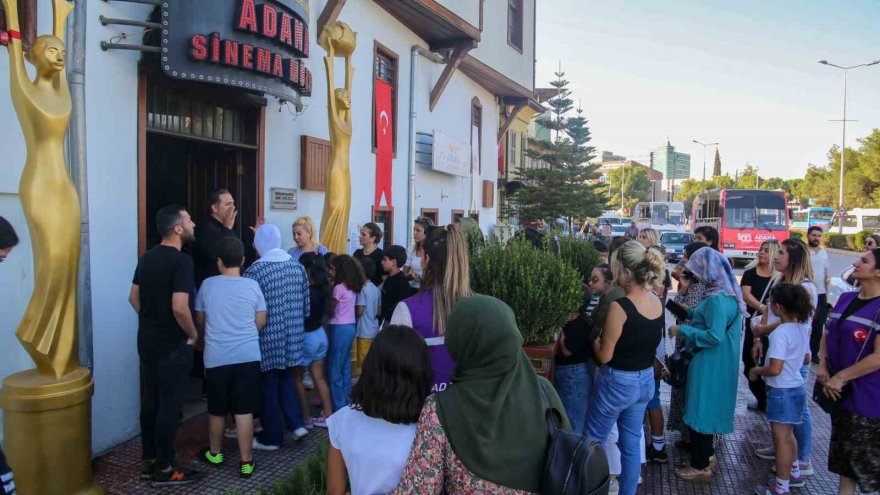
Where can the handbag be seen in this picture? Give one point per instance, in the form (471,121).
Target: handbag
(574,465)
(828,404)
(679,362)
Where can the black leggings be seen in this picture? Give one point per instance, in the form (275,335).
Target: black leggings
(701,449)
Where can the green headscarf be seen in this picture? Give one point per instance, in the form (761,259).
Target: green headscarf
(493,414)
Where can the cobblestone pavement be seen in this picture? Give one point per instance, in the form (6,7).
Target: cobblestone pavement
(118,471)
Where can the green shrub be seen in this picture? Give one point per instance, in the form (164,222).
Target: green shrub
(834,240)
(473,234)
(797,234)
(309,477)
(859,239)
(542,289)
(579,254)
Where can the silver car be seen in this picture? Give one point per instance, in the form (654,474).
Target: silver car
(839,285)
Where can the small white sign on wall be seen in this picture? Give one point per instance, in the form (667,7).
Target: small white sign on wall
(282,198)
(451,156)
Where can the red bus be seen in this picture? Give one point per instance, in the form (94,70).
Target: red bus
(744,218)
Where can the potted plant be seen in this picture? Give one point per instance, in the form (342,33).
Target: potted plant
(542,289)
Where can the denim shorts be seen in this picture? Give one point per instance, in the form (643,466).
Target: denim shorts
(786,405)
(654,403)
(314,346)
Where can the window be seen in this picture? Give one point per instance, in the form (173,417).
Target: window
(432,213)
(512,155)
(524,141)
(477,131)
(385,69)
(457,215)
(515,24)
(384,217)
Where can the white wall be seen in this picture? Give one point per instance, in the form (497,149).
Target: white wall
(494,50)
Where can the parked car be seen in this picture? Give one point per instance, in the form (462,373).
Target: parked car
(673,243)
(839,285)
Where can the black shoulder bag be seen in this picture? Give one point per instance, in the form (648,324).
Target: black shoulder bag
(574,465)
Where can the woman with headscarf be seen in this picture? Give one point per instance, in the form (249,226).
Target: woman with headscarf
(285,286)
(487,432)
(714,334)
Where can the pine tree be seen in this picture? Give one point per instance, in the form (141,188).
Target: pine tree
(716,172)
(563,188)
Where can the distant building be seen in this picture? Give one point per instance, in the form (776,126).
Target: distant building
(673,165)
(606,167)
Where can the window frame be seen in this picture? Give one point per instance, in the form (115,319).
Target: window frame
(477,118)
(515,14)
(432,213)
(387,227)
(380,50)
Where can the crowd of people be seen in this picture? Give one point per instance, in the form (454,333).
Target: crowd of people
(447,402)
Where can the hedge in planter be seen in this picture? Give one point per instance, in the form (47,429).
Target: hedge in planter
(542,289)
(580,255)
(473,233)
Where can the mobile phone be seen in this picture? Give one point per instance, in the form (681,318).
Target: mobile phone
(676,309)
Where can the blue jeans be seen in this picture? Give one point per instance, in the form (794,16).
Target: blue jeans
(280,406)
(621,397)
(573,384)
(803,432)
(339,364)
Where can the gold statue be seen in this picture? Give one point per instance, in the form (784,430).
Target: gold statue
(47,410)
(338,40)
(48,329)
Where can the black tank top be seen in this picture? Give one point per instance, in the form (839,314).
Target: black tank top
(638,342)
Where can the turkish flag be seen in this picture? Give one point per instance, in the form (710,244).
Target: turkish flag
(384,142)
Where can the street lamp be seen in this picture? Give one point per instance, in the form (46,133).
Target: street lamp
(843,141)
(704,145)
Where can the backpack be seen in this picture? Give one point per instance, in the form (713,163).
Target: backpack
(574,465)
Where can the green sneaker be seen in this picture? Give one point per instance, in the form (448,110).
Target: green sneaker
(211,458)
(148,467)
(247,469)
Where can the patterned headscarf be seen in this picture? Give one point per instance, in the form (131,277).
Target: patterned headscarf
(713,269)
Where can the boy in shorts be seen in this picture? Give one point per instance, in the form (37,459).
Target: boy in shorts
(230,310)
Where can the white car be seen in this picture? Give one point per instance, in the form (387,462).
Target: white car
(839,285)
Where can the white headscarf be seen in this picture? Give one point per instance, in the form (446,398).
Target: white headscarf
(268,244)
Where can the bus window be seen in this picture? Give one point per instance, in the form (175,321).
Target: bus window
(871,222)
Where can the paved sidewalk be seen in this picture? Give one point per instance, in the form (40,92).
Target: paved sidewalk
(118,471)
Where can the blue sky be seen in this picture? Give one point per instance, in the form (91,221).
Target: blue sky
(740,72)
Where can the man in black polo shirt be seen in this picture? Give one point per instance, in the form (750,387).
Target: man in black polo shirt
(162,294)
(8,240)
(218,225)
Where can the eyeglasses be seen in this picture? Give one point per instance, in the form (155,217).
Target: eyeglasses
(593,280)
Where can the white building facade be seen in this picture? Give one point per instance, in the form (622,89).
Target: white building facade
(155,139)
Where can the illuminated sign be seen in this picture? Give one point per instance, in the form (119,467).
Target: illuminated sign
(257,45)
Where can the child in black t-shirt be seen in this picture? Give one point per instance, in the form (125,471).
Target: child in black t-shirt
(396,287)
(572,376)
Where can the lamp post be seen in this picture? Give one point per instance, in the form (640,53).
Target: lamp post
(843,140)
(704,145)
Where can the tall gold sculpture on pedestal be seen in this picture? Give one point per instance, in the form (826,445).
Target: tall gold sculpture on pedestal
(338,40)
(47,411)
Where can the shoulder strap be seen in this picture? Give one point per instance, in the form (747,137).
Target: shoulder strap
(551,415)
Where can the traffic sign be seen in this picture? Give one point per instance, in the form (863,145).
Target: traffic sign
(841,212)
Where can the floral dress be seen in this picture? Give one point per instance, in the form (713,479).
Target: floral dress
(433,467)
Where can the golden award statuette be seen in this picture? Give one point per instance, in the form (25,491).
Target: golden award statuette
(338,40)
(47,432)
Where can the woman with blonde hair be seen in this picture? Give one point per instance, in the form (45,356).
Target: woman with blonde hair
(755,288)
(303,230)
(446,280)
(626,348)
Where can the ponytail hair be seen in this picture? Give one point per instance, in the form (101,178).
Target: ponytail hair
(644,266)
(448,271)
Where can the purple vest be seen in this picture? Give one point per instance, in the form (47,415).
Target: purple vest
(844,341)
(421,310)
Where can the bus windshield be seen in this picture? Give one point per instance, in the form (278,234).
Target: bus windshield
(755,211)
(822,214)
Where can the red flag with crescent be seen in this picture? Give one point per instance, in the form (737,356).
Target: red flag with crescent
(384,142)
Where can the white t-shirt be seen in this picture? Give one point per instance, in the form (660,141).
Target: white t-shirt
(415,264)
(374,450)
(789,344)
(820,268)
(807,326)
(368,323)
(230,305)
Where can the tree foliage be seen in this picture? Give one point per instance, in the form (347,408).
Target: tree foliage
(636,187)
(563,188)
(716,169)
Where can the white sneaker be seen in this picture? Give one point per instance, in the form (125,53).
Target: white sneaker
(308,383)
(258,446)
(299,433)
(613,486)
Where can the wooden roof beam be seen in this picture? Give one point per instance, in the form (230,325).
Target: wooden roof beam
(329,14)
(517,106)
(458,53)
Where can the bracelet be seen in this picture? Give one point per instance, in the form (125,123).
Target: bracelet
(756,340)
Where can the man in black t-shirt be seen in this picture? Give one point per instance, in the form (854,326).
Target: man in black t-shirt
(218,225)
(396,287)
(162,294)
